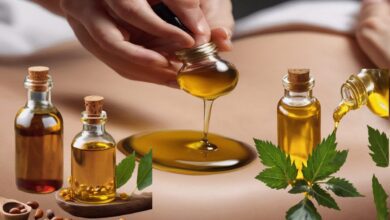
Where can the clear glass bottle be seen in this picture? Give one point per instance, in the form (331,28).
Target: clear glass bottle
(93,157)
(204,74)
(298,117)
(369,87)
(39,137)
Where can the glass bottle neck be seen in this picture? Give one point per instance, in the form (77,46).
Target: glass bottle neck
(293,98)
(96,129)
(41,99)
(202,61)
(355,92)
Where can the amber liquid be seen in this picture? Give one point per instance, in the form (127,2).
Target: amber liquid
(93,172)
(210,82)
(39,150)
(377,99)
(299,130)
(193,152)
(173,151)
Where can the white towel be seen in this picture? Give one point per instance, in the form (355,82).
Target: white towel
(26,27)
(336,15)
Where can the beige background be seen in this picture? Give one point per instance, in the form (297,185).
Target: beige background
(250,111)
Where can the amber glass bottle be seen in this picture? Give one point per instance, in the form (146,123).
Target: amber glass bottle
(370,87)
(93,157)
(39,137)
(298,116)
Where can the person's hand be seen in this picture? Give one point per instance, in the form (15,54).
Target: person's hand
(220,19)
(130,38)
(373,31)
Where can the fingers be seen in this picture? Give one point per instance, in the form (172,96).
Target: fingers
(220,18)
(139,14)
(190,13)
(222,38)
(164,76)
(113,39)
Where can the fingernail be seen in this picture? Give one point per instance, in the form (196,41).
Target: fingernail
(227,32)
(228,43)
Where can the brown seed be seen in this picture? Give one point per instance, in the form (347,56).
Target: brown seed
(20,206)
(57,218)
(38,214)
(33,204)
(14,211)
(50,214)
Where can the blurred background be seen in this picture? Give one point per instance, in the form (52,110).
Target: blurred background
(25,27)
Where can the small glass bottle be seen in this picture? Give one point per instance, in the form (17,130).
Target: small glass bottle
(204,74)
(93,157)
(369,87)
(39,137)
(299,117)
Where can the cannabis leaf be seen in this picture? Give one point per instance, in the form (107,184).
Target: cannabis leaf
(323,198)
(379,146)
(341,187)
(300,186)
(304,210)
(281,171)
(144,177)
(380,198)
(325,160)
(124,170)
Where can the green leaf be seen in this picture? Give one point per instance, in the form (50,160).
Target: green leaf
(324,160)
(323,198)
(269,154)
(124,170)
(304,210)
(341,187)
(144,177)
(281,170)
(273,177)
(300,186)
(379,146)
(380,198)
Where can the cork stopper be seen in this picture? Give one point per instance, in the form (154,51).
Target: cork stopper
(298,75)
(298,80)
(93,105)
(38,73)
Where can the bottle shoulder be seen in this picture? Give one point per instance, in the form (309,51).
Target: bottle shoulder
(309,107)
(45,120)
(91,141)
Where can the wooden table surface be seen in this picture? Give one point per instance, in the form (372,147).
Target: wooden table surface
(250,111)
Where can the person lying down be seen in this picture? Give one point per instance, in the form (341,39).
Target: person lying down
(129,41)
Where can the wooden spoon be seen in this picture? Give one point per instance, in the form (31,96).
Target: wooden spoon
(135,203)
(8,204)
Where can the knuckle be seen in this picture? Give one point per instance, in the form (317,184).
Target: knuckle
(373,23)
(125,8)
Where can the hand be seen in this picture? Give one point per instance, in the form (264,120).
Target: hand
(373,31)
(132,40)
(220,19)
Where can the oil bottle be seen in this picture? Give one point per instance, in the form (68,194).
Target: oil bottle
(298,117)
(93,157)
(369,87)
(207,76)
(39,137)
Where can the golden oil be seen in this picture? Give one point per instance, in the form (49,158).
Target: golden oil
(39,137)
(206,76)
(370,87)
(93,157)
(298,117)
(175,153)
